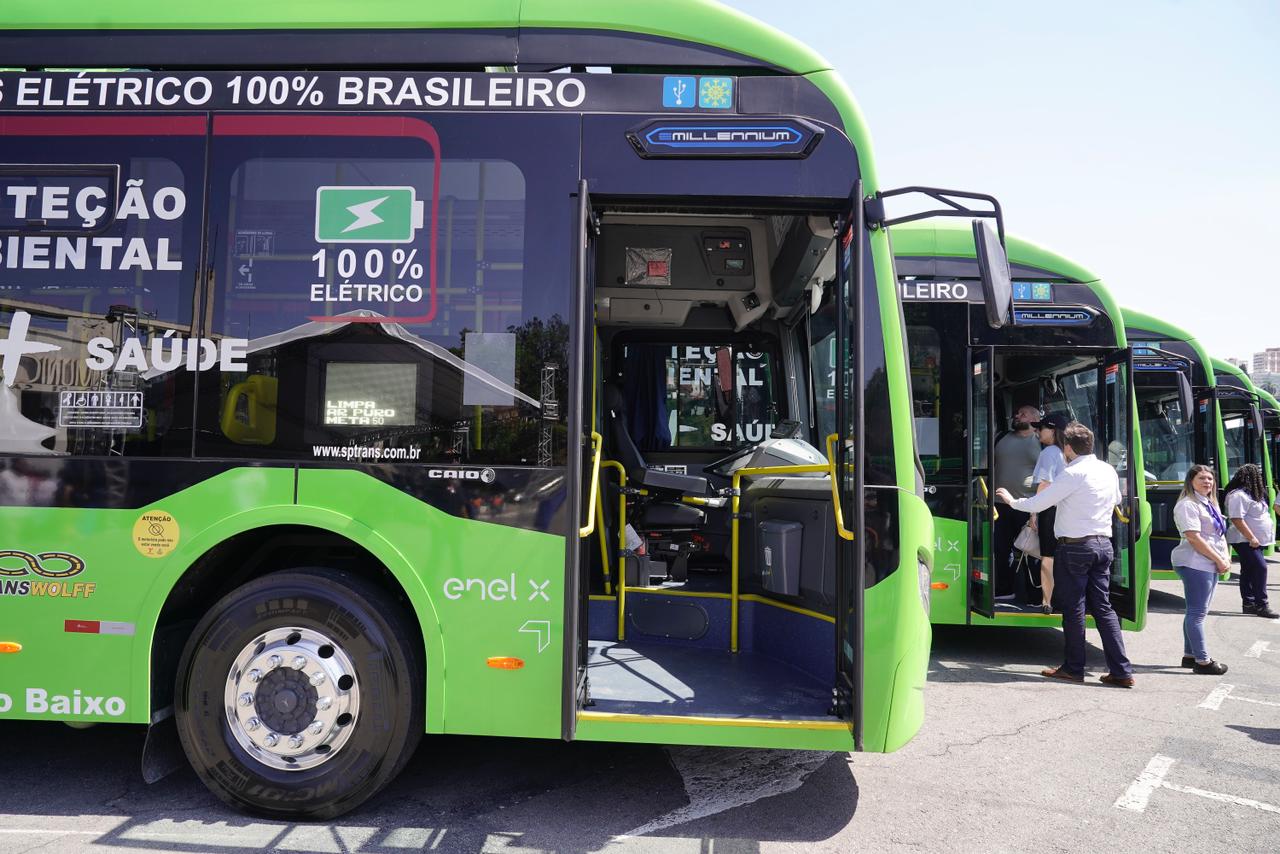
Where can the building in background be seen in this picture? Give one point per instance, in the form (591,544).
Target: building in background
(1266,362)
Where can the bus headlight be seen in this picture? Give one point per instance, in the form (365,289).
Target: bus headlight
(924,576)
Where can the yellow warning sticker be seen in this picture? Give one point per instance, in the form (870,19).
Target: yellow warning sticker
(155,534)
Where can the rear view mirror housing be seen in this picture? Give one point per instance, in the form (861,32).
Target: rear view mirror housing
(1186,399)
(993,269)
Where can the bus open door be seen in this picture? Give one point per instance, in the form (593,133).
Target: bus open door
(1114,444)
(981,498)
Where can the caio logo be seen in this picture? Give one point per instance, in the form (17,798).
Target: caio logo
(482,475)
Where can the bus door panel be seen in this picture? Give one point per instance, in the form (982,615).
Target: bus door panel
(981,497)
(848,448)
(1114,444)
(583,469)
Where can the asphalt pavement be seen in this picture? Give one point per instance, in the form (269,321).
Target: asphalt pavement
(1006,761)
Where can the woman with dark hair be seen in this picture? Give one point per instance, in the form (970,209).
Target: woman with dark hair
(1198,559)
(1049,465)
(1252,530)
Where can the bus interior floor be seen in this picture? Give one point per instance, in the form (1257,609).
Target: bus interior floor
(635,677)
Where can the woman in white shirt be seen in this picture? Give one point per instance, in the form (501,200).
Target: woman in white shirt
(1049,465)
(1198,558)
(1252,529)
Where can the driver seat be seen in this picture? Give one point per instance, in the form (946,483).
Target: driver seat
(664,511)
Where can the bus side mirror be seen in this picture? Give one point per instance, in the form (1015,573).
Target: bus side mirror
(1185,398)
(993,269)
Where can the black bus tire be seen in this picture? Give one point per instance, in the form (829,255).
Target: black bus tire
(369,627)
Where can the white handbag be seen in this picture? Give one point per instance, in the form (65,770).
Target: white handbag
(1028,541)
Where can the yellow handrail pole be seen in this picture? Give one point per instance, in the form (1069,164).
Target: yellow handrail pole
(995,511)
(622,544)
(597,442)
(603,536)
(733,563)
(844,532)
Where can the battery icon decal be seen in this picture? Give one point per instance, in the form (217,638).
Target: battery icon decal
(367,214)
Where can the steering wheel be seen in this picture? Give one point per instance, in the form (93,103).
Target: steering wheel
(710,468)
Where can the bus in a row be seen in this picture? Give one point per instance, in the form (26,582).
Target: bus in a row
(1192,409)
(1066,352)
(537,370)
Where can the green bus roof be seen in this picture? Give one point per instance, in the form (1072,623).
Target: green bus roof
(1222,366)
(696,21)
(952,240)
(1134,319)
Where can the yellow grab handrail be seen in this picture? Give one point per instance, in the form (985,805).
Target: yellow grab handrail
(844,532)
(995,513)
(1121,516)
(734,596)
(597,444)
(622,544)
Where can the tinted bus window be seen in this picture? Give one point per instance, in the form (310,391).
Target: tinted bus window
(398,288)
(99,254)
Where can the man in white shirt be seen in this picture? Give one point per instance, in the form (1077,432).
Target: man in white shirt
(1086,493)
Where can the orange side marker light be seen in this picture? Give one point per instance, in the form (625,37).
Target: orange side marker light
(939,585)
(10,646)
(505,662)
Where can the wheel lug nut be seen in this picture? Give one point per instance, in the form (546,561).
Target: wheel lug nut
(298,662)
(255,675)
(317,677)
(246,699)
(253,723)
(271,739)
(295,741)
(274,661)
(324,703)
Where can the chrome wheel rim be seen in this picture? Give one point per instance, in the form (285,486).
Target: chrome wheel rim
(291,698)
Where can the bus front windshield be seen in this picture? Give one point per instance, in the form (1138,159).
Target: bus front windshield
(1167,435)
(1242,443)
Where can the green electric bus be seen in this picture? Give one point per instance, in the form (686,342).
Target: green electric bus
(1065,352)
(533,368)
(1180,419)
(1244,414)
(1271,445)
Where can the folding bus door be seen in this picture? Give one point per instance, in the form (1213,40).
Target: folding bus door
(982,502)
(1114,443)
(586,474)
(847,448)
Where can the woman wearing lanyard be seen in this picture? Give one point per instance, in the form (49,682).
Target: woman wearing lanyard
(1252,530)
(1198,559)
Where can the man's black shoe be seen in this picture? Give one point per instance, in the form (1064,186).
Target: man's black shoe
(1249,608)
(1265,611)
(1213,668)
(1188,661)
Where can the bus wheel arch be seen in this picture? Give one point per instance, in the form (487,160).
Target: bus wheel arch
(249,555)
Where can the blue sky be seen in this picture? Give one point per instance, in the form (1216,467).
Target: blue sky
(1139,138)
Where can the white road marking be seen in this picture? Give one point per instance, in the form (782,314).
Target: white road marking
(1258,648)
(1138,795)
(1216,696)
(29,831)
(717,779)
(1251,700)
(1218,796)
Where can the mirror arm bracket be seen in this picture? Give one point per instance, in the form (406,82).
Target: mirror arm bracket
(956,202)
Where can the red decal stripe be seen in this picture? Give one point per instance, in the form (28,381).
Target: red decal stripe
(103,125)
(86,627)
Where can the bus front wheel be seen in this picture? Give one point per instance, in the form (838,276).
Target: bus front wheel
(300,694)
